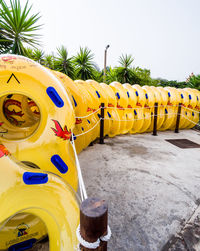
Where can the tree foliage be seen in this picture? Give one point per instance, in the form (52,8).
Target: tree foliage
(64,63)
(125,72)
(84,65)
(194,82)
(18,27)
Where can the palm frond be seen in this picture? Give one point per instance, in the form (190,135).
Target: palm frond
(18,26)
(63,63)
(84,64)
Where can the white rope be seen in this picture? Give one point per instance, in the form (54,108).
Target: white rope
(86,116)
(78,135)
(142,107)
(147,117)
(84,196)
(123,119)
(191,120)
(108,236)
(187,108)
(92,245)
(127,108)
(122,108)
(80,176)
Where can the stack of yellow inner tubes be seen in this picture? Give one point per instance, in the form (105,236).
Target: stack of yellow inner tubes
(34,131)
(41,112)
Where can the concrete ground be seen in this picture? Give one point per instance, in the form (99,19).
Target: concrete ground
(152,186)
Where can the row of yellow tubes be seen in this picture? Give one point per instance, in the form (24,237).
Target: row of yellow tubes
(40,111)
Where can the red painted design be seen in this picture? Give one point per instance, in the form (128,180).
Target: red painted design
(10,113)
(138,104)
(3,151)
(78,121)
(33,104)
(59,132)
(120,107)
(8,59)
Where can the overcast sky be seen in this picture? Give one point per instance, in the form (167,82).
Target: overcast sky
(162,35)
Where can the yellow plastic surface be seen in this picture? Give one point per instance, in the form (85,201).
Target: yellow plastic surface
(34,127)
(54,202)
(50,135)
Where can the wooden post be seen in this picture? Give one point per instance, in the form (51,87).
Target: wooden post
(178,118)
(155,117)
(93,222)
(102,124)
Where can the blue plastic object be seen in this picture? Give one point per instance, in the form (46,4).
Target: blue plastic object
(74,136)
(128,94)
(146,95)
(98,95)
(74,101)
(59,163)
(136,92)
(99,115)
(193,114)
(190,97)
(182,95)
(88,121)
(30,178)
(135,112)
(166,111)
(118,96)
(169,94)
(55,97)
(109,115)
(23,245)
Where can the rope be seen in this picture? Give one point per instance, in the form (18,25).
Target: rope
(122,119)
(78,135)
(141,118)
(92,245)
(126,108)
(187,108)
(86,116)
(80,176)
(190,120)
(84,196)
(135,108)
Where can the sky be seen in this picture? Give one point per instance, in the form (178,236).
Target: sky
(161,35)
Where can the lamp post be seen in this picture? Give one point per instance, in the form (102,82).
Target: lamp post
(105,58)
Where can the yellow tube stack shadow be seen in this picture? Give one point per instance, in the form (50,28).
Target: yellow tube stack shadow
(40,110)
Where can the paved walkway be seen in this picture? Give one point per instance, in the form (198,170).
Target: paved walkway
(152,186)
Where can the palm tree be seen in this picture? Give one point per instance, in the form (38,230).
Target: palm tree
(38,56)
(30,53)
(111,75)
(144,75)
(194,82)
(5,44)
(85,67)
(124,72)
(49,61)
(63,63)
(18,27)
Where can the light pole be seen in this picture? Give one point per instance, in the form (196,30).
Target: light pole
(105,58)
